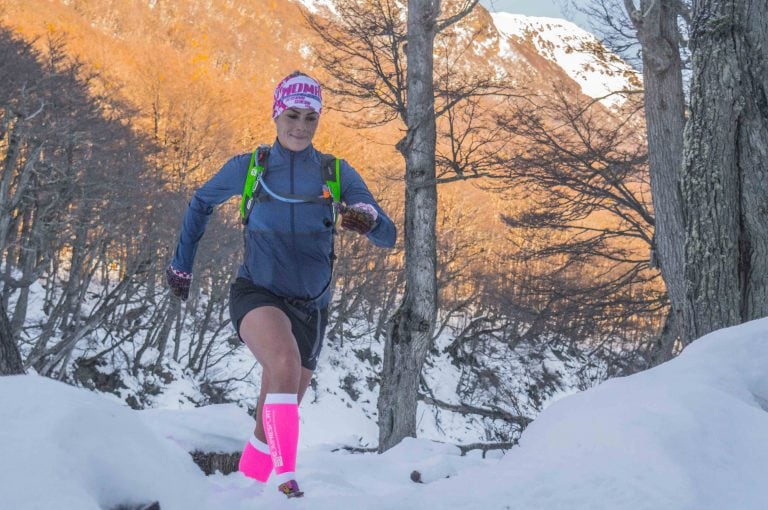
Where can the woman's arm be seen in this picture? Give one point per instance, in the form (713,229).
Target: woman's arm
(226,183)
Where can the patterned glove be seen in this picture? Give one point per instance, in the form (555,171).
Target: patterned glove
(360,217)
(179,282)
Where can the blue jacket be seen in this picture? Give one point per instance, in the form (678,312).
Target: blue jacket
(288,247)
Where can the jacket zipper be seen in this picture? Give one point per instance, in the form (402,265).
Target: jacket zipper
(293,190)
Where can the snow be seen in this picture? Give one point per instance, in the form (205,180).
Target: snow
(689,434)
(571,48)
(66,448)
(314,6)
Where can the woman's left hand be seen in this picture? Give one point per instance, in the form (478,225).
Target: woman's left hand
(360,217)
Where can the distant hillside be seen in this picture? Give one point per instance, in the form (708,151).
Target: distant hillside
(234,52)
(201,72)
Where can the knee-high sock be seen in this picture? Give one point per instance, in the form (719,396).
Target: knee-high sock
(281,426)
(255,461)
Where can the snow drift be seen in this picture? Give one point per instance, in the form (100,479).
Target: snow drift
(690,434)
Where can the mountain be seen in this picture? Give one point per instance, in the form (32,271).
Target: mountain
(205,69)
(577,52)
(242,48)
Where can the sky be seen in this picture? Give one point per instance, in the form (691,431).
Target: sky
(691,434)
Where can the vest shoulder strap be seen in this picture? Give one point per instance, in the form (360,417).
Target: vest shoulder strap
(257,165)
(330,168)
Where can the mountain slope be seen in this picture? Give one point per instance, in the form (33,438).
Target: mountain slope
(580,54)
(207,68)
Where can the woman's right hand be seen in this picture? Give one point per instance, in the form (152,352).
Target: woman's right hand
(179,282)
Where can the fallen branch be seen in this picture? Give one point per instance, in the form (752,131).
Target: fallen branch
(485,447)
(465,409)
(356,449)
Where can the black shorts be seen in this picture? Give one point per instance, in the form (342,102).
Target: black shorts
(307,324)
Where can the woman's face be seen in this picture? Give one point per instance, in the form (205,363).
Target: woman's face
(296,127)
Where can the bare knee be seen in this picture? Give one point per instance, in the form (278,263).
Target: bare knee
(284,373)
(267,333)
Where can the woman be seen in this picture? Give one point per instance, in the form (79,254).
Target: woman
(279,301)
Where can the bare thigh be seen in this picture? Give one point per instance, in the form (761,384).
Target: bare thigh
(267,333)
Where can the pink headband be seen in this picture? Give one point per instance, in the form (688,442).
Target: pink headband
(298,91)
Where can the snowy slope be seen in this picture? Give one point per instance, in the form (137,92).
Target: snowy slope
(579,53)
(690,434)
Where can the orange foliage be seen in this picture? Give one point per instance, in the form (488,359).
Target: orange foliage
(203,72)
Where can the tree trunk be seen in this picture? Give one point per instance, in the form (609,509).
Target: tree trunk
(657,31)
(664,349)
(725,169)
(173,310)
(10,359)
(411,328)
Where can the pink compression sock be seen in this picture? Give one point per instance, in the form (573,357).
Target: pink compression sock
(281,426)
(255,461)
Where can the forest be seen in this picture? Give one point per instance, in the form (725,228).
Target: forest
(607,238)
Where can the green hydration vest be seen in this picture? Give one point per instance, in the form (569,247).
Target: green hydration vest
(329,169)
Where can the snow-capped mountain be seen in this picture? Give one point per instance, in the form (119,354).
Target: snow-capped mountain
(503,41)
(579,53)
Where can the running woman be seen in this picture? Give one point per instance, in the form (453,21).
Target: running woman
(279,301)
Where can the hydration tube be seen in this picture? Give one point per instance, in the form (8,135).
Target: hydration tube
(279,197)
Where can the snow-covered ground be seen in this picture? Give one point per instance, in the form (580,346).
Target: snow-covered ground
(690,434)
